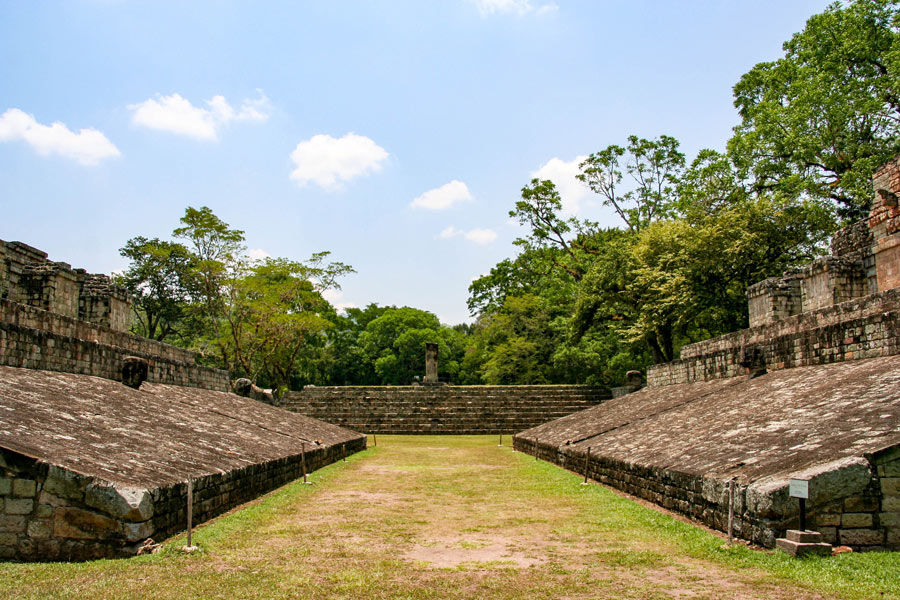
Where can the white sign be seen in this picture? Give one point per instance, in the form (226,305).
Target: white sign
(799,488)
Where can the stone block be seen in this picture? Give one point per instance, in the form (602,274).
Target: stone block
(890,486)
(829,534)
(889,519)
(12,524)
(64,483)
(5,486)
(861,504)
(24,488)
(891,469)
(18,506)
(891,504)
(828,520)
(802,549)
(8,539)
(44,511)
(78,524)
(803,537)
(856,520)
(121,502)
(861,537)
(39,530)
(135,532)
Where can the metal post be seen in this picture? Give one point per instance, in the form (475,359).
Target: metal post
(344,452)
(501,440)
(375,440)
(587,458)
(802,514)
(190,509)
(303,461)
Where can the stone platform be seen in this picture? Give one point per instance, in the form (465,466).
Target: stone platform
(429,409)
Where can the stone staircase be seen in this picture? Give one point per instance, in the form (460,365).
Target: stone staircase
(456,410)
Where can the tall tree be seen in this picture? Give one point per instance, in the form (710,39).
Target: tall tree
(653,168)
(161,279)
(818,121)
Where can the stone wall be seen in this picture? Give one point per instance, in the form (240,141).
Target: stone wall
(28,277)
(51,513)
(866,327)
(443,409)
(837,425)
(38,339)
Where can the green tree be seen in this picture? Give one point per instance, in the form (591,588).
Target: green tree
(653,168)
(161,280)
(819,120)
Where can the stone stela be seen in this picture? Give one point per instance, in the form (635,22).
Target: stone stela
(431,363)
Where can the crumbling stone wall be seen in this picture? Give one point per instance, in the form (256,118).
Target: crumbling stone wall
(28,277)
(866,327)
(37,339)
(455,410)
(51,513)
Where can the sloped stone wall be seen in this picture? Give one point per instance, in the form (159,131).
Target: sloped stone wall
(51,513)
(443,409)
(37,339)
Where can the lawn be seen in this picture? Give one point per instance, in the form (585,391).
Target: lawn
(454,517)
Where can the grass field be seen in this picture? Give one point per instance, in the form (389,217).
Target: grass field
(454,517)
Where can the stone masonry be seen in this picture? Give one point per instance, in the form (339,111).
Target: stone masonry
(430,409)
(90,468)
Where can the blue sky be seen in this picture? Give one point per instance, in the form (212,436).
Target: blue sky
(395,134)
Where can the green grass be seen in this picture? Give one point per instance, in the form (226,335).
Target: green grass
(453,517)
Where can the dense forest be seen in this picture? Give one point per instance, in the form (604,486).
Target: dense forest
(576,303)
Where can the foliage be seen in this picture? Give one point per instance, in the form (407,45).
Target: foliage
(818,121)
(653,167)
(161,280)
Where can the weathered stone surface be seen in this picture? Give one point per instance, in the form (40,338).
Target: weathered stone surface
(88,427)
(5,486)
(135,532)
(434,409)
(24,488)
(890,486)
(121,502)
(80,524)
(39,530)
(856,520)
(18,506)
(12,524)
(64,483)
(861,537)
(8,539)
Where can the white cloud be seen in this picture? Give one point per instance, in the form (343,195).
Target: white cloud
(571,191)
(328,162)
(476,236)
(333,296)
(443,197)
(177,115)
(87,147)
(258,254)
(517,7)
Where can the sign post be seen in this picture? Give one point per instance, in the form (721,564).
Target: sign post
(799,488)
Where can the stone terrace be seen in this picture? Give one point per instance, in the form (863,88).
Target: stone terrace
(91,468)
(431,409)
(679,445)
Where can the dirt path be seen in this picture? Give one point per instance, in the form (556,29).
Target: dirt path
(471,519)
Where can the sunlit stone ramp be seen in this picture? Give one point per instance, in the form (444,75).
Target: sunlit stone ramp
(91,468)
(679,446)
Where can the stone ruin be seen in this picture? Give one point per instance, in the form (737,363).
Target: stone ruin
(810,391)
(434,407)
(100,430)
